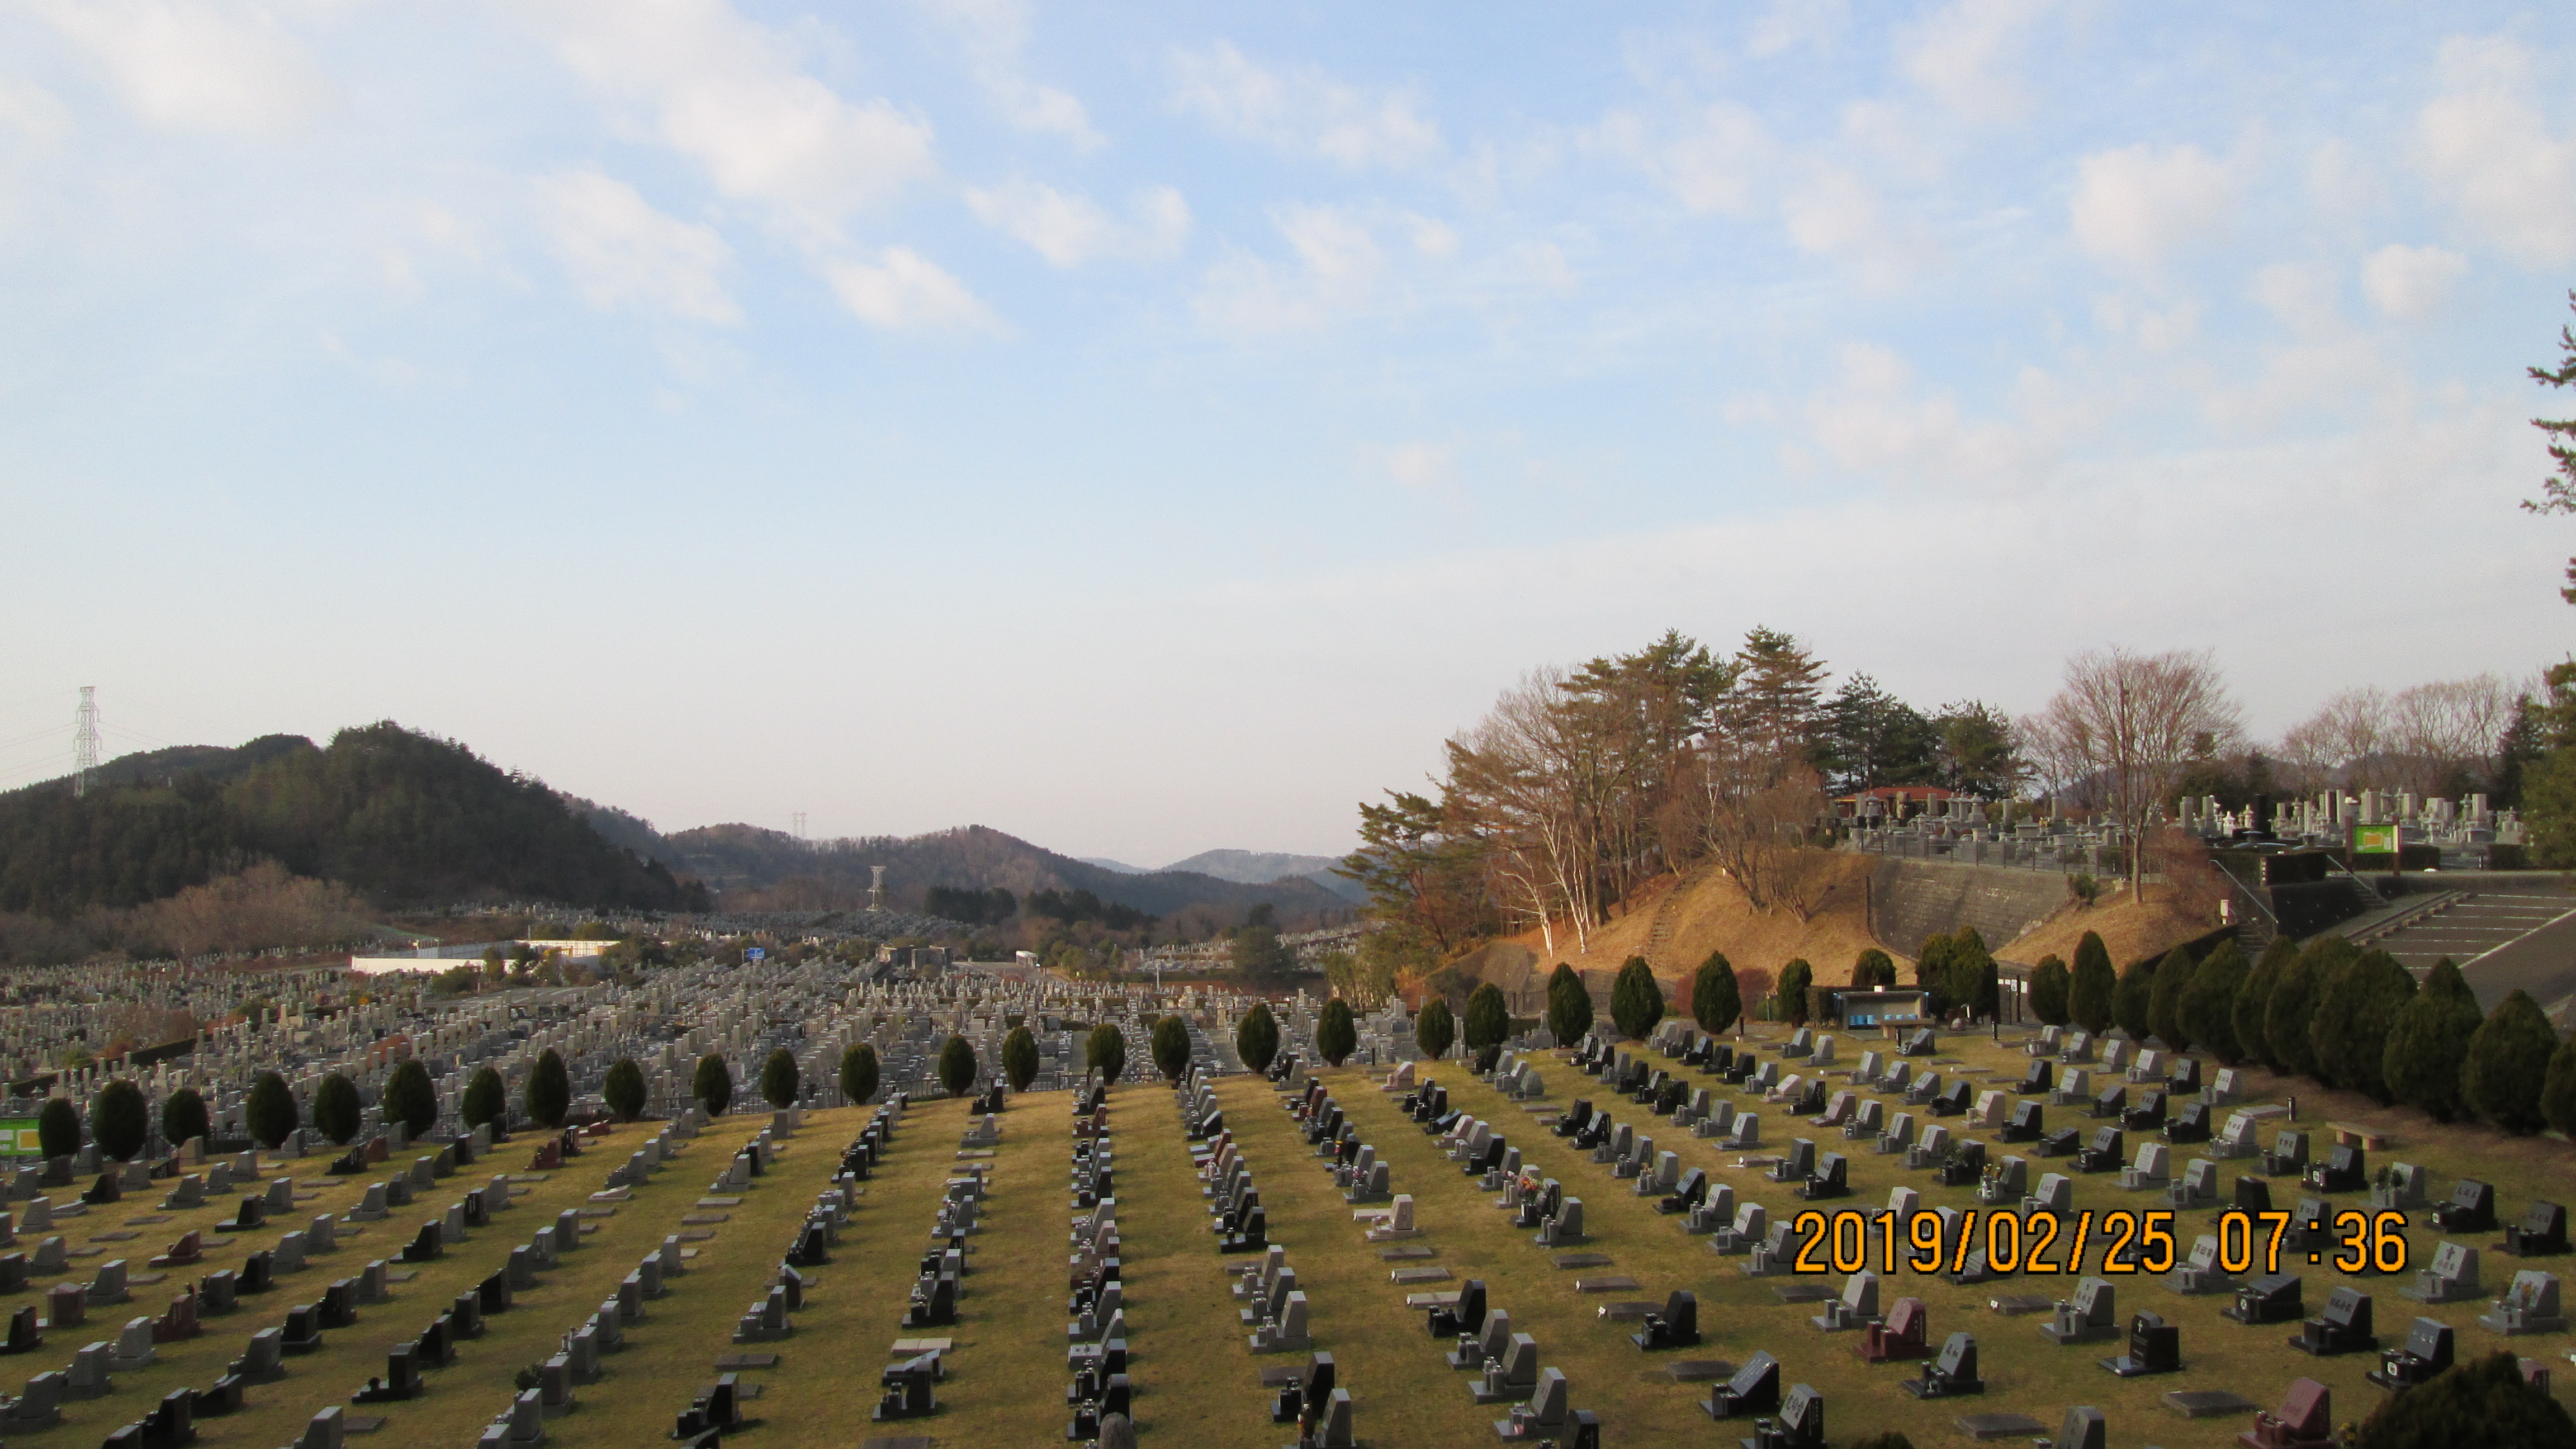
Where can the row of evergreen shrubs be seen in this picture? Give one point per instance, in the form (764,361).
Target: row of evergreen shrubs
(2331,1011)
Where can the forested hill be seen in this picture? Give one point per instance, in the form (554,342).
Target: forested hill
(404,817)
(836,872)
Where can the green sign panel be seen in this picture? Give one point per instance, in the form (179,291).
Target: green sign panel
(2375,838)
(18,1137)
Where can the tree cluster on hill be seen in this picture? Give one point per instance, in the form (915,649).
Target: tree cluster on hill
(1078,905)
(396,815)
(969,906)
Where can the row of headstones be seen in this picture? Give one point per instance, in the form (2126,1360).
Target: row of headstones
(1100,1392)
(1274,1307)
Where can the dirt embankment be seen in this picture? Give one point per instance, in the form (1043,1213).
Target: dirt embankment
(2131,929)
(1675,922)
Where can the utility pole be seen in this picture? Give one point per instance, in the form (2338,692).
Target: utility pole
(84,740)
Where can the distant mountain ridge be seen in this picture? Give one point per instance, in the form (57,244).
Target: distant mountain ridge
(1256,867)
(835,873)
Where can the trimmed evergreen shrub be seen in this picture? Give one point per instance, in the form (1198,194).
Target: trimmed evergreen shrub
(2508,1062)
(859,1072)
(486,1099)
(1871,969)
(1171,1045)
(270,1113)
(1020,1058)
(623,1089)
(2294,1003)
(1487,1022)
(957,1066)
(58,1128)
(1569,1006)
(1931,972)
(549,1095)
(2164,999)
(2050,991)
(2133,1004)
(120,1121)
(1636,999)
(2481,1401)
(184,1115)
(1716,1001)
(2355,1014)
(713,1083)
(779,1079)
(2430,1043)
(1256,1037)
(1436,1029)
(2254,999)
(2094,987)
(2208,1005)
(337,1112)
(2558,1090)
(410,1098)
(1791,992)
(1105,1052)
(1337,1035)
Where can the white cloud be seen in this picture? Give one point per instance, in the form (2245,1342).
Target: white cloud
(1833,212)
(1963,56)
(1418,465)
(2156,331)
(2136,206)
(1436,240)
(621,252)
(192,66)
(729,94)
(1791,23)
(1069,229)
(1303,111)
(996,34)
(1339,264)
(1872,420)
(2411,283)
(2487,148)
(33,112)
(902,290)
(1715,164)
(2304,296)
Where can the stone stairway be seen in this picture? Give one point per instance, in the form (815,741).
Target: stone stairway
(1668,913)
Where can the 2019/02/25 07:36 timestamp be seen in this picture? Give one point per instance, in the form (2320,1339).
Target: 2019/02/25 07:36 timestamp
(1851,1241)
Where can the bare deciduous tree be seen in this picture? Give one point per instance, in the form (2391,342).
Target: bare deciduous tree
(2431,738)
(2130,724)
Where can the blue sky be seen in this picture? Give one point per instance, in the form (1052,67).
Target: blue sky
(1148,429)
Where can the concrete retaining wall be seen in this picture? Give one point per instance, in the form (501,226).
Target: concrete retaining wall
(1911,901)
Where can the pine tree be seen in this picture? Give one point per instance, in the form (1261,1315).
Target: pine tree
(1105,1052)
(2508,1062)
(549,1095)
(2049,988)
(1569,1006)
(623,1089)
(1636,998)
(1020,1058)
(1171,1046)
(2164,999)
(2430,1043)
(2134,1003)
(2254,1000)
(486,1099)
(120,1121)
(2208,1007)
(410,1098)
(1435,1029)
(1716,1001)
(859,1073)
(778,1080)
(1337,1035)
(270,1113)
(2355,1015)
(337,1112)
(957,1066)
(1795,980)
(713,1084)
(58,1128)
(2094,988)
(184,1117)
(1256,1037)
(1488,1020)
(2294,1003)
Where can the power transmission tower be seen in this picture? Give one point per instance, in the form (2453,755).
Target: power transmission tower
(85,740)
(800,825)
